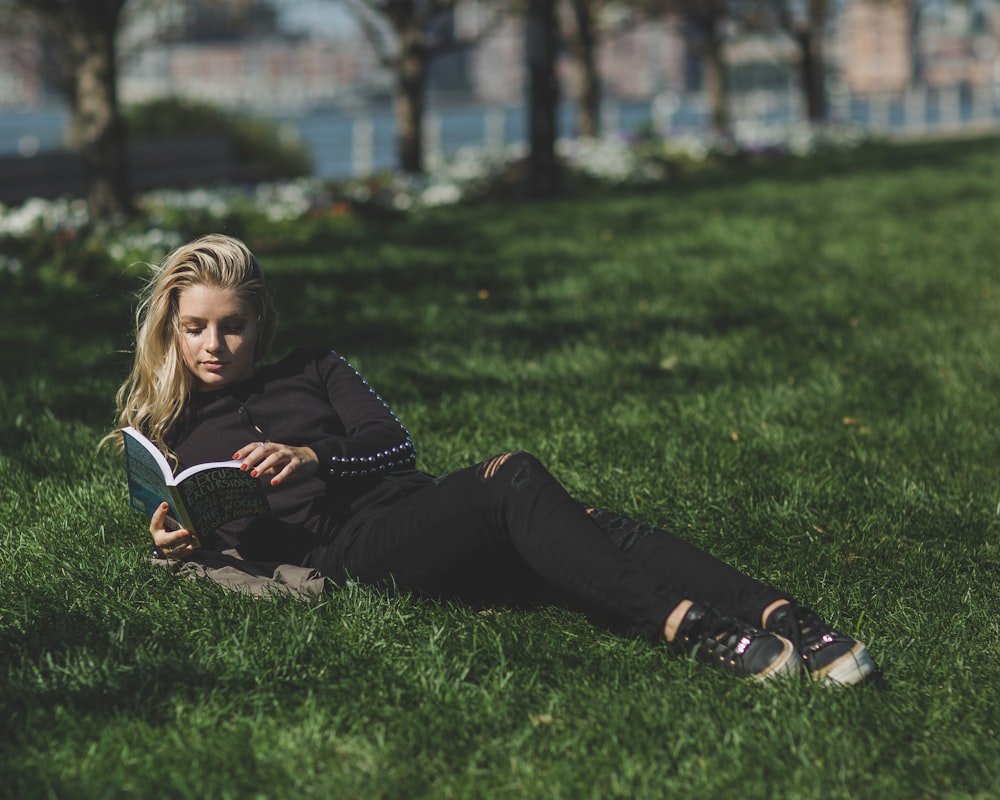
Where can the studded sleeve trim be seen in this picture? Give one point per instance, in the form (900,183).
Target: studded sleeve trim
(374,440)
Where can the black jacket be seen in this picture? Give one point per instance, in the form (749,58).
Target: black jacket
(313,398)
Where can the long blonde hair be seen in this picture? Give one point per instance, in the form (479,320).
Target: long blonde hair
(159,385)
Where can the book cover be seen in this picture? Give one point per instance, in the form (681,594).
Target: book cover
(201,498)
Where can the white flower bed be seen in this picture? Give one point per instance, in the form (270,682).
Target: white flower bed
(463,175)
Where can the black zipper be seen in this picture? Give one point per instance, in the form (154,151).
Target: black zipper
(245,413)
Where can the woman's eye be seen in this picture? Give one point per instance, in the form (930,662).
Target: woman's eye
(234,329)
(193,331)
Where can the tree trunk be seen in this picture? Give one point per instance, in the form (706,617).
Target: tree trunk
(588,114)
(408,104)
(97,130)
(810,43)
(716,81)
(543,179)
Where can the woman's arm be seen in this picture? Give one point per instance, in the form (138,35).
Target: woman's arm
(368,439)
(374,441)
(170,540)
(280,461)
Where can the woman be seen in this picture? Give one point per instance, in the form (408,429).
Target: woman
(338,467)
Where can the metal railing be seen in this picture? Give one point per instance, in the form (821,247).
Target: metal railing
(916,112)
(358,142)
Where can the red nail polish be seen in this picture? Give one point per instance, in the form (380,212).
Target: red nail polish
(235,456)
(243,467)
(253,473)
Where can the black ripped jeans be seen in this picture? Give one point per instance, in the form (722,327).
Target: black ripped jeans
(506,530)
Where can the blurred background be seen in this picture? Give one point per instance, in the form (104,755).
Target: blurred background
(365,85)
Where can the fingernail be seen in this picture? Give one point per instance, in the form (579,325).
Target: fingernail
(235,456)
(253,473)
(243,467)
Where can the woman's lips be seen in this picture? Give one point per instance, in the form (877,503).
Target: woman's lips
(213,366)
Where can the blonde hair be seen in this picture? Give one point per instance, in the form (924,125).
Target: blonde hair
(159,385)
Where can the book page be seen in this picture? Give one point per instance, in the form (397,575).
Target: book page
(184,474)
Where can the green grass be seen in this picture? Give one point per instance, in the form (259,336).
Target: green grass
(793,366)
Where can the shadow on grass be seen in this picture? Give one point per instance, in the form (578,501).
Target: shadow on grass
(69,356)
(400,285)
(59,350)
(73,651)
(106,666)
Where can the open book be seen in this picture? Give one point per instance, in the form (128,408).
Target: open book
(201,498)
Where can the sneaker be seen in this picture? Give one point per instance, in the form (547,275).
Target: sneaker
(733,645)
(829,657)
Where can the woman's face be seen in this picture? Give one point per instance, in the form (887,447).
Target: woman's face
(218,336)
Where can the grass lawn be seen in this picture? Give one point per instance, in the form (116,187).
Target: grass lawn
(794,366)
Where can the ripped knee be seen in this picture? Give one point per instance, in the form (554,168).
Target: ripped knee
(490,468)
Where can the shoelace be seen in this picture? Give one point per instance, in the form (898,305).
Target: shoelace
(721,635)
(805,629)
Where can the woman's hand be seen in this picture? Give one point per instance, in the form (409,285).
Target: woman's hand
(170,540)
(277,460)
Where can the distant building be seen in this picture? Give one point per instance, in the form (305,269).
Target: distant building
(635,61)
(640,61)
(893,46)
(873,46)
(956,44)
(233,54)
(273,72)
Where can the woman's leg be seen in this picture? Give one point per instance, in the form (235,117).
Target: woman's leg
(474,531)
(697,574)
(828,655)
(508,522)
(483,524)
(507,519)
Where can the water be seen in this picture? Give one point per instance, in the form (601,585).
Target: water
(344,143)
(29,132)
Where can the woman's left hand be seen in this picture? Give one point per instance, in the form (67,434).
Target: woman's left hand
(280,461)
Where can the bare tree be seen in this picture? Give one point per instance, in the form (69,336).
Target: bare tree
(706,24)
(406,36)
(541,42)
(582,38)
(82,37)
(805,22)
(591,22)
(706,20)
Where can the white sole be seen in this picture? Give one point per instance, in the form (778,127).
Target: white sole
(849,669)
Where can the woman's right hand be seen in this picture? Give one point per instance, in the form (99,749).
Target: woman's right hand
(171,541)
